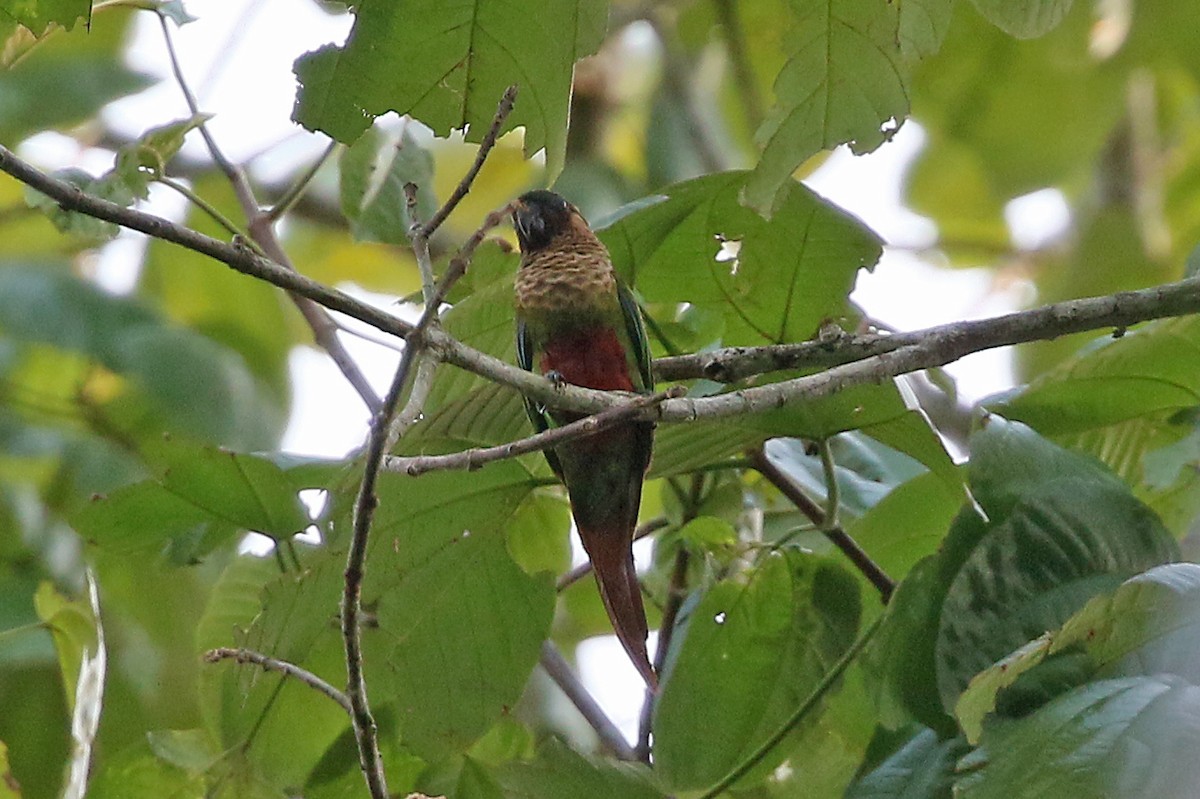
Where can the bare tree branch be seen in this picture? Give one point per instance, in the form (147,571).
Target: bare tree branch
(560,671)
(485,147)
(472,459)
(381,437)
(822,519)
(282,666)
(260,226)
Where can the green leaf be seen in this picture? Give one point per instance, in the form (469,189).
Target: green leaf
(922,768)
(558,771)
(1024,19)
(789,275)
(374,171)
(202,497)
(1133,737)
(1139,374)
(464,624)
(455,64)
(1059,529)
(845,82)
(39,15)
(146,159)
(456,625)
(1149,625)
(87,228)
(73,627)
(751,652)
(197,387)
(80,71)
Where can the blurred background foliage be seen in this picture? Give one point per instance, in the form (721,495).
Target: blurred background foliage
(145,390)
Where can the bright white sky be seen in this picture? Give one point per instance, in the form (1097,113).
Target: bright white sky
(238,58)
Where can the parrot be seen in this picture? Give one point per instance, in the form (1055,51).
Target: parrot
(577,323)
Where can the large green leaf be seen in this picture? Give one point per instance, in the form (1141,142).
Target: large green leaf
(71,76)
(752,651)
(199,388)
(1146,371)
(1059,529)
(789,274)
(201,498)
(1133,737)
(845,81)
(457,625)
(447,66)
(467,626)
(1149,625)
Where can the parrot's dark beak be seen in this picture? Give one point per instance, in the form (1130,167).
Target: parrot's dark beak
(530,225)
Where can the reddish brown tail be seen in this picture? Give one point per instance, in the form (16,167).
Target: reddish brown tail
(612,562)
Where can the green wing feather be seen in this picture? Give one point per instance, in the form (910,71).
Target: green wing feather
(635,327)
(541,422)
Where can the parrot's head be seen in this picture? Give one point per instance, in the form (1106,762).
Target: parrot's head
(541,216)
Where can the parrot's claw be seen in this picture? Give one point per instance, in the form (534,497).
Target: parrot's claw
(555,377)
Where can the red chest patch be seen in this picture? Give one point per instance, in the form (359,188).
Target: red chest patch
(592,358)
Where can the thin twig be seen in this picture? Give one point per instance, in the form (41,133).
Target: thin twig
(818,693)
(560,671)
(260,228)
(296,190)
(584,569)
(862,359)
(836,535)
(833,498)
(208,208)
(283,667)
(485,147)
(472,459)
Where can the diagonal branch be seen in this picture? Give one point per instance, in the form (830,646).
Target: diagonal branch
(825,522)
(485,147)
(282,666)
(560,671)
(260,222)
(472,459)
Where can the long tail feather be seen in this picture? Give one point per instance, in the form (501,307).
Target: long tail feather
(612,563)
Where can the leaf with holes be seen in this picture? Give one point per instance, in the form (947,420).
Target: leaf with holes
(751,652)
(845,81)
(448,65)
(773,280)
